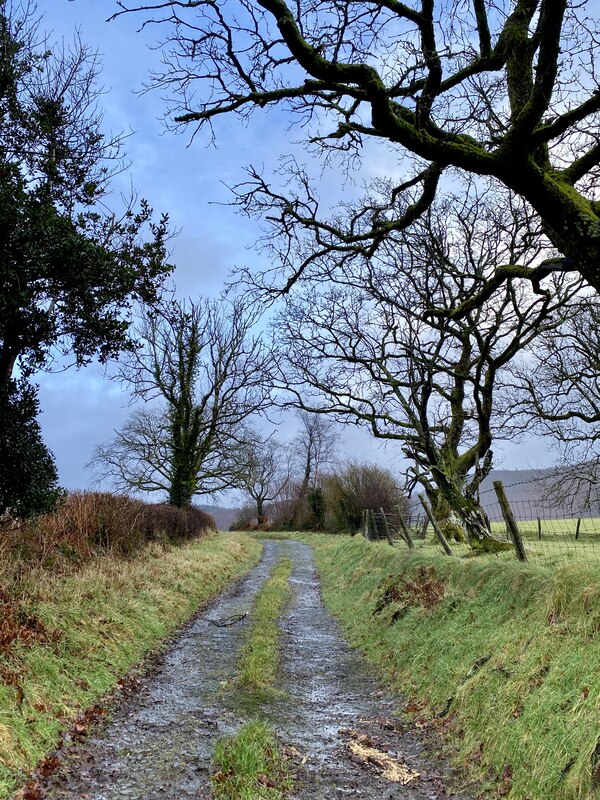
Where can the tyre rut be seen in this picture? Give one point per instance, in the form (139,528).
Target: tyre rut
(159,742)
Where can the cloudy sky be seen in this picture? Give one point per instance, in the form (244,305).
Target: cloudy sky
(188,180)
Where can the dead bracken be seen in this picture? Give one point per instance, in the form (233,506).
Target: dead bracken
(425,590)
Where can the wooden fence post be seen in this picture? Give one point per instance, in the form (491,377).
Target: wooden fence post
(365,523)
(424,526)
(539,528)
(436,527)
(509,519)
(577,528)
(386,525)
(373,525)
(403,527)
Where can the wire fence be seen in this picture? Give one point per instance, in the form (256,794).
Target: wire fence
(549,534)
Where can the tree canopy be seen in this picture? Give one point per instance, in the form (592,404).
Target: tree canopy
(69,270)
(505,89)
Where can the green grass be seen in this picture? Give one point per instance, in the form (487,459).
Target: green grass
(277,535)
(101,620)
(506,653)
(557,546)
(257,665)
(250,766)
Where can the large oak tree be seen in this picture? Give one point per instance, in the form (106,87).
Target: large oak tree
(358,340)
(499,88)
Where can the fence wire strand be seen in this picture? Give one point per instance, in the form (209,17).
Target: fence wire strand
(552,535)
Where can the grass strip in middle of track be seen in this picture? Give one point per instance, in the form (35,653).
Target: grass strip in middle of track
(250,764)
(259,658)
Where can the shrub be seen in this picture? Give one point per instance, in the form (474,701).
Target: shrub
(85,522)
(245,518)
(357,486)
(176,524)
(28,477)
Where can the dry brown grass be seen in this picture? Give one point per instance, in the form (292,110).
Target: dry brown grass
(86,523)
(86,526)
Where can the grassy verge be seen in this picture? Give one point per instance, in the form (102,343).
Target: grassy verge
(251,764)
(71,636)
(503,656)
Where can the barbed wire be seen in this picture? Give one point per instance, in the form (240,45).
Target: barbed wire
(538,479)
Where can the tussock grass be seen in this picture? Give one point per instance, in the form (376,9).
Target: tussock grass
(94,624)
(250,766)
(502,656)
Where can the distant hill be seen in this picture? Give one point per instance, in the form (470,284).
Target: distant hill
(537,493)
(530,494)
(222,516)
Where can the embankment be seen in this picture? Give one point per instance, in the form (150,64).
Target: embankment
(66,639)
(503,658)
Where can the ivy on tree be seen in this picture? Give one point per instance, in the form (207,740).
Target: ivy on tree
(203,374)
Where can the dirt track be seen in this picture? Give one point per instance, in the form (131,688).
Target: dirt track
(160,739)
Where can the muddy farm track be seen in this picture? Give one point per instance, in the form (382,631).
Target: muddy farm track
(160,741)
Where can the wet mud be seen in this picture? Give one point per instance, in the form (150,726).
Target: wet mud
(159,741)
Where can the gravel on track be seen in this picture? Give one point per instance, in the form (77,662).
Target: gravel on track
(160,739)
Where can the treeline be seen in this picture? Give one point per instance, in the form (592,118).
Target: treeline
(334,505)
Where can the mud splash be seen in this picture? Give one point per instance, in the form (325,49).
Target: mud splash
(159,742)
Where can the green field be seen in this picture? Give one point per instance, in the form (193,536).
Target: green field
(558,542)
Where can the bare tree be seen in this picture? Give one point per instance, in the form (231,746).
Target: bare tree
(503,89)
(314,446)
(208,374)
(364,339)
(264,472)
(558,387)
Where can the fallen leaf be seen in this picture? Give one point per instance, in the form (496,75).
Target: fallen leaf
(391,769)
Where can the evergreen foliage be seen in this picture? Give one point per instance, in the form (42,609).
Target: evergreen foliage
(28,477)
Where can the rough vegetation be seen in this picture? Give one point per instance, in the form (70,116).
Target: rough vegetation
(84,594)
(87,523)
(499,656)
